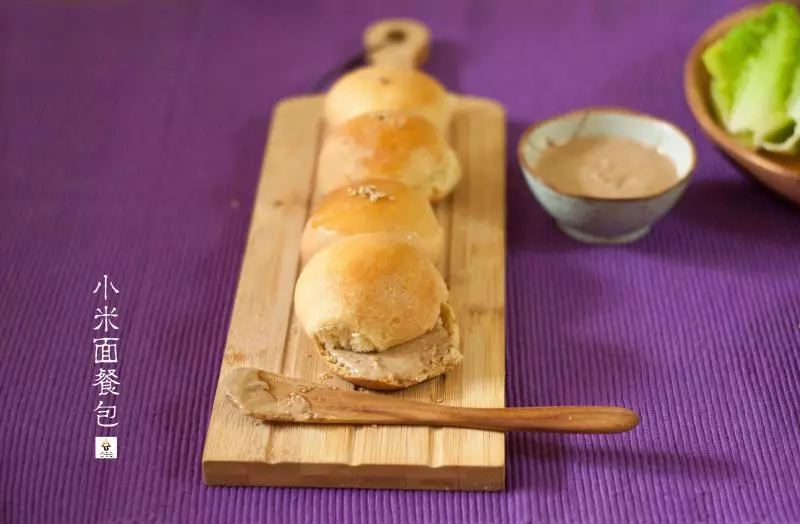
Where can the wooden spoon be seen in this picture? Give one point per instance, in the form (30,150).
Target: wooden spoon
(276,398)
(781,173)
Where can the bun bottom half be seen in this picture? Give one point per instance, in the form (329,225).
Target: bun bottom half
(401,366)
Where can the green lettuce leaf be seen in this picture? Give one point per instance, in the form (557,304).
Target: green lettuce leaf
(753,72)
(791,143)
(726,59)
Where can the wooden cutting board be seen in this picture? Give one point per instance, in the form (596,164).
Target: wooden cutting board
(265,334)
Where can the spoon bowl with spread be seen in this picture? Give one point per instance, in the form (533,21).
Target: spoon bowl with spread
(606,175)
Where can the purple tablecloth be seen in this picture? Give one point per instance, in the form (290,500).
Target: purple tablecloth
(131,135)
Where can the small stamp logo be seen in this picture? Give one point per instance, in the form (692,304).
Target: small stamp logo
(105,447)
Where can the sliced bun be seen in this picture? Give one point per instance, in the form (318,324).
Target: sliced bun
(393,145)
(404,365)
(368,293)
(380,88)
(373,206)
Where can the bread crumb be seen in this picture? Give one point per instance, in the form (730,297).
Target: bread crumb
(325,376)
(369,192)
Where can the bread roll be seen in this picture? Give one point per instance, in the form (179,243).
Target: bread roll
(381,88)
(376,308)
(394,145)
(374,206)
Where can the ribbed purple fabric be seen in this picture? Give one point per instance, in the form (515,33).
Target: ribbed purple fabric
(131,135)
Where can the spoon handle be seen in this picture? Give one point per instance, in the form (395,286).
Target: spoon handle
(555,419)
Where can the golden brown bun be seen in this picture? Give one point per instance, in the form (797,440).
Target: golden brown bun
(392,145)
(405,365)
(381,88)
(374,206)
(368,293)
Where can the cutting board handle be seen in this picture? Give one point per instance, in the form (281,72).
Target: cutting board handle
(399,42)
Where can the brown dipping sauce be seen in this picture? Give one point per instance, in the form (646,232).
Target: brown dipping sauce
(606,167)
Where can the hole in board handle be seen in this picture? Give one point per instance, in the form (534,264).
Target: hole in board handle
(395,35)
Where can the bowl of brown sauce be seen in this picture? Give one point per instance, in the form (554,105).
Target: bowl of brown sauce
(606,175)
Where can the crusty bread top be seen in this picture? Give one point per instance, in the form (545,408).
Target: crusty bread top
(369,293)
(373,206)
(395,145)
(379,88)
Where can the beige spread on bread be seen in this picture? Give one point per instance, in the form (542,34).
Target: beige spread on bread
(376,308)
(403,365)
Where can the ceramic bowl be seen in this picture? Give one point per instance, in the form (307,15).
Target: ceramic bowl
(781,173)
(606,220)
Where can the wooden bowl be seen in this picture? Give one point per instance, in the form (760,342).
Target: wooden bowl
(780,173)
